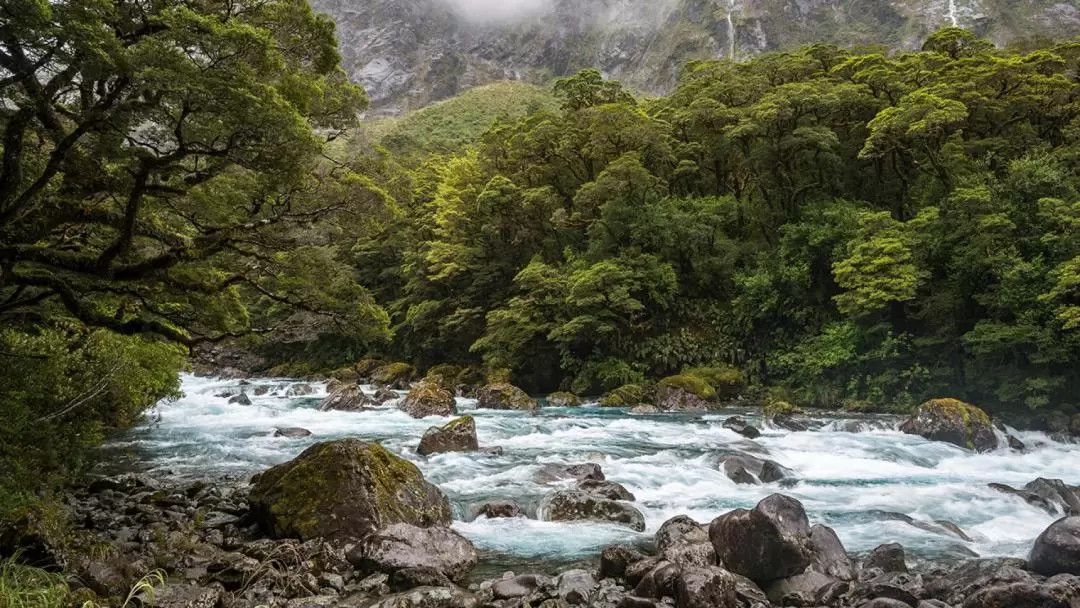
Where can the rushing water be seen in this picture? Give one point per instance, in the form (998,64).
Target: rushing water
(846,479)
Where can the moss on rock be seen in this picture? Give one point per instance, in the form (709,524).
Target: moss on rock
(692,384)
(729,382)
(953,421)
(626,395)
(428,398)
(394,375)
(563,399)
(504,396)
(344,489)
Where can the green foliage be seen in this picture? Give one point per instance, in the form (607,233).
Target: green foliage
(24,586)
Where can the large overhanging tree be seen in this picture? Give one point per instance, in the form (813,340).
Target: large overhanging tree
(163,166)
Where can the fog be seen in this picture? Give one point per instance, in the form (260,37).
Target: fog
(498,10)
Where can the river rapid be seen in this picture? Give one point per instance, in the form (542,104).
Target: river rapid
(849,473)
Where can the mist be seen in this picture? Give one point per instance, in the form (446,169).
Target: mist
(498,10)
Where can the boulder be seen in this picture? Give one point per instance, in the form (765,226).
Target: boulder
(299,390)
(970,576)
(605,489)
(421,597)
(499,508)
(739,425)
(428,399)
(643,409)
(1058,592)
(955,422)
(1065,497)
(344,489)
(411,578)
(829,556)
(291,431)
(575,586)
(575,505)
(1057,549)
(616,559)
(458,435)
(659,581)
(520,586)
(241,399)
(806,589)
(705,587)
(345,398)
(383,395)
(393,375)
(1031,498)
(746,469)
(563,399)
(550,473)
(684,542)
(886,558)
(769,542)
(405,546)
(185,596)
(683,393)
(504,396)
(627,395)
(795,423)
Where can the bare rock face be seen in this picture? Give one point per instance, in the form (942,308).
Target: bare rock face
(769,542)
(344,489)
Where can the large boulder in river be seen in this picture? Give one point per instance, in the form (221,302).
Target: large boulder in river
(563,399)
(1057,549)
(504,396)
(458,435)
(739,425)
(683,541)
(576,505)
(344,489)
(684,393)
(404,546)
(427,398)
(747,469)
(769,542)
(585,471)
(345,398)
(393,375)
(955,422)
(829,556)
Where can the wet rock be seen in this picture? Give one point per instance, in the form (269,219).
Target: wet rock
(411,578)
(706,587)
(746,469)
(186,596)
(105,578)
(504,396)
(1058,592)
(955,422)
(423,597)
(806,589)
(683,393)
(291,431)
(521,585)
(1057,549)
(969,577)
(1065,497)
(427,398)
(458,435)
(259,391)
(575,586)
(769,542)
(899,586)
(748,594)
(345,398)
(1015,444)
(886,558)
(884,602)
(299,390)
(383,395)
(557,472)
(1031,498)
(644,409)
(795,423)
(575,505)
(616,559)
(829,556)
(659,581)
(605,489)
(685,542)
(344,489)
(404,546)
(499,508)
(739,425)
(563,399)
(241,399)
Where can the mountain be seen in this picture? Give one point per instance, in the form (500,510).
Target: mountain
(410,53)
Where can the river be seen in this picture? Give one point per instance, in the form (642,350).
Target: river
(846,479)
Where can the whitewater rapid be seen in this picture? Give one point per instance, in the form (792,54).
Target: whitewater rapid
(846,479)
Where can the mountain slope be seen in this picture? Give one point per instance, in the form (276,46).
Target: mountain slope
(410,53)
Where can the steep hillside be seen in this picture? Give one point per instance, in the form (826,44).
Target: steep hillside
(410,53)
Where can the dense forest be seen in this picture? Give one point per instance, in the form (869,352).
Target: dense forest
(844,228)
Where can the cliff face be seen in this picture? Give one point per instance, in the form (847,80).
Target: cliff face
(409,53)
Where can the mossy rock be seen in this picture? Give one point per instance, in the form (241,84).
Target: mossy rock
(683,393)
(344,489)
(728,382)
(367,366)
(428,398)
(774,407)
(469,380)
(458,435)
(445,374)
(627,395)
(499,375)
(955,422)
(504,396)
(563,399)
(394,375)
(345,374)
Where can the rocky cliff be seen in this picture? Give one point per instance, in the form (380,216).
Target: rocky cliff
(409,53)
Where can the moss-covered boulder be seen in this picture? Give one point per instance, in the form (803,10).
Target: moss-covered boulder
(469,380)
(563,399)
(366,367)
(445,375)
(394,375)
(344,489)
(458,435)
(955,422)
(504,396)
(684,393)
(728,382)
(428,398)
(627,395)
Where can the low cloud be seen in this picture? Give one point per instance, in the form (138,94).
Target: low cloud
(498,10)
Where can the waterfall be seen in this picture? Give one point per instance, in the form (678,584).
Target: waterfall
(952,13)
(731,29)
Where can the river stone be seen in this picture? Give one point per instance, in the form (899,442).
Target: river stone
(705,587)
(575,586)
(345,398)
(383,394)
(659,581)
(411,578)
(642,409)
(684,542)
(739,425)
(806,589)
(955,422)
(427,398)
(605,489)
(421,597)
(575,505)
(746,469)
(1065,497)
(769,542)
(499,508)
(1057,549)
(404,546)
(550,473)
(970,576)
(616,559)
(794,422)
(185,596)
(344,489)
(829,557)
(886,558)
(504,396)
(520,586)
(1059,592)
(1029,497)
(241,399)
(458,435)
(299,390)
(563,399)
(291,431)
